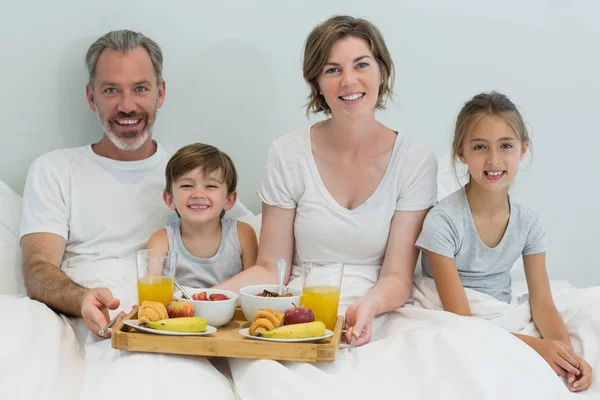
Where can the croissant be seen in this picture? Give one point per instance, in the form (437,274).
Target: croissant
(265,320)
(151,311)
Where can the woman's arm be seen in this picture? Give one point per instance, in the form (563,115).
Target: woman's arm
(248,244)
(544,312)
(276,241)
(396,277)
(448,284)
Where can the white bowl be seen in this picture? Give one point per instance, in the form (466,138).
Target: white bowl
(251,303)
(216,313)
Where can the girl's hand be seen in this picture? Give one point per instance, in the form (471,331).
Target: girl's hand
(559,356)
(359,321)
(584,380)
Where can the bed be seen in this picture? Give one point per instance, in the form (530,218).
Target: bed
(46,355)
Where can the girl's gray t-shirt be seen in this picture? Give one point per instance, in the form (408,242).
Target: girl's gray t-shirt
(449,230)
(207,272)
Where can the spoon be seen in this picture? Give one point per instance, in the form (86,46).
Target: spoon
(280,274)
(184,294)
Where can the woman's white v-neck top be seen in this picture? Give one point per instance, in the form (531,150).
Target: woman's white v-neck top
(323,229)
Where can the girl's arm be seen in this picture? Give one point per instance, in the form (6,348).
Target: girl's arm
(276,241)
(248,243)
(555,347)
(448,284)
(544,312)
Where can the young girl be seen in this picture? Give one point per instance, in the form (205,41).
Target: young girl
(472,238)
(201,184)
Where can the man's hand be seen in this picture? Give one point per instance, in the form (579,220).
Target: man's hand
(584,380)
(94,308)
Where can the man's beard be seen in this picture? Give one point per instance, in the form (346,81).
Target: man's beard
(130,141)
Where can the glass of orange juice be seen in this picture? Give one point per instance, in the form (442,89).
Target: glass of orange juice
(155,273)
(321,284)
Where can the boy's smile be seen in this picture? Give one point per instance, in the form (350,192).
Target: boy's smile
(200,198)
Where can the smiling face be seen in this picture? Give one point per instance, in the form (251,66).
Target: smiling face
(350,79)
(126,97)
(198,197)
(492,151)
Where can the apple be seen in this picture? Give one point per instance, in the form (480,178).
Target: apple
(298,315)
(178,309)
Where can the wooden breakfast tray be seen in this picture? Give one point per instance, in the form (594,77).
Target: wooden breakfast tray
(226,342)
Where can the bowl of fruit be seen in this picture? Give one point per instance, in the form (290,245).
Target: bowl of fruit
(255,297)
(216,306)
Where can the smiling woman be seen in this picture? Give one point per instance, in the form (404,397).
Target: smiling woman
(323,66)
(346,189)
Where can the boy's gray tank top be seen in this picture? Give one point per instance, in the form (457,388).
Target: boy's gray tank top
(207,272)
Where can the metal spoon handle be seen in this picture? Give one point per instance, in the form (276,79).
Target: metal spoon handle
(280,275)
(108,327)
(183,292)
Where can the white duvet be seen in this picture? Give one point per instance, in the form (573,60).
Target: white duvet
(45,356)
(417,352)
(421,352)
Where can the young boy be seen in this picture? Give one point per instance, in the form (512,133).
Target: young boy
(201,186)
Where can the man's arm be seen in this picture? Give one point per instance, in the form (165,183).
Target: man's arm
(44,280)
(47,283)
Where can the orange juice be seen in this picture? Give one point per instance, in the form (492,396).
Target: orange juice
(155,288)
(323,301)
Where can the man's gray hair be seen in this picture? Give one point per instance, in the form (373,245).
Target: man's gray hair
(123,41)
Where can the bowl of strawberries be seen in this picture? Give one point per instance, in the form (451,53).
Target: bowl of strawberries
(216,306)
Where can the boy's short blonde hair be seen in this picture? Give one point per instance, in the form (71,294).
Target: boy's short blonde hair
(205,157)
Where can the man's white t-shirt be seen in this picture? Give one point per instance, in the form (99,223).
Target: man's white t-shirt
(103,208)
(323,229)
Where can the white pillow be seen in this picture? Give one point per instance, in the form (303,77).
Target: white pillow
(447,181)
(10,251)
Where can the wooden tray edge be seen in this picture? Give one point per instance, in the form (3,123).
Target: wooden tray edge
(324,352)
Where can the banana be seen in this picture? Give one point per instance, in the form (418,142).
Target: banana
(297,331)
(183,324)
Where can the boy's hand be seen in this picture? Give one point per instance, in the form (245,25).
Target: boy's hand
(584,380)
(559,356)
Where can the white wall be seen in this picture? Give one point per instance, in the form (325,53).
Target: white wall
(234,80)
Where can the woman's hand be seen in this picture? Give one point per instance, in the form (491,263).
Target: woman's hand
(559,356)
(359,321)
(582,381)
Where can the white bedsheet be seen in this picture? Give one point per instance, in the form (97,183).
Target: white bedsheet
(46,356)
(415,353)
(424,353)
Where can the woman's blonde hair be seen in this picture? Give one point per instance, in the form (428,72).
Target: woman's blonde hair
(319,44)
(486,105)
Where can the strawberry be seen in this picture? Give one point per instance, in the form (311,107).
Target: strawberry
(218,296)
(199,296)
